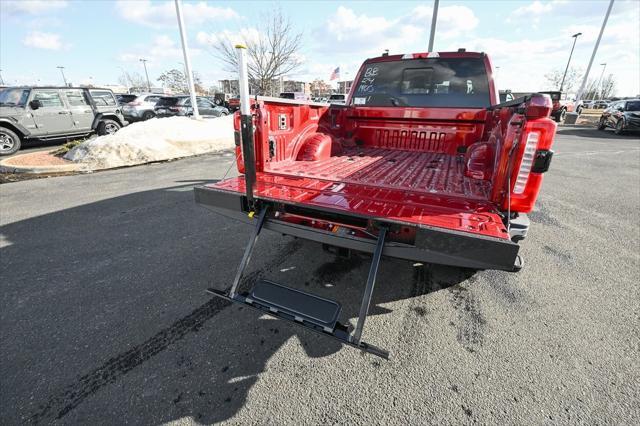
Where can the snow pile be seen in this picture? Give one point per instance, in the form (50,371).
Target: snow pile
(155,140)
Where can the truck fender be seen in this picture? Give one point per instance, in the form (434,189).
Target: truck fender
(15,126)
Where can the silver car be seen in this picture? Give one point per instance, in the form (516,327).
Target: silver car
(141,108)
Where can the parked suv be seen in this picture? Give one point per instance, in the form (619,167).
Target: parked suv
(169,106)
(141,108)
(30,113)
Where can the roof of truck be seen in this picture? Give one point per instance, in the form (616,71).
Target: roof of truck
(424,55)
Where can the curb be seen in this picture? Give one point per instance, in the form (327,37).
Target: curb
(9,168)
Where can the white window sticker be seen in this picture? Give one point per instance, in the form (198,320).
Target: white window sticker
(359,101)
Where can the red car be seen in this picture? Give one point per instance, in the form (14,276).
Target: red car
(420,164)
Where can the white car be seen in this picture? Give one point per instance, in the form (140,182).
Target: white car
(141,108)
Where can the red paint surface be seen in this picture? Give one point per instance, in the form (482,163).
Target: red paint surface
(391,204)
(444,167)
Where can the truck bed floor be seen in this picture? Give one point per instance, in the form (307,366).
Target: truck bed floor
(426,172)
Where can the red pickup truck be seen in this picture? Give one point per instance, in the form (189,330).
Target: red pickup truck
(561,105)
(421,163)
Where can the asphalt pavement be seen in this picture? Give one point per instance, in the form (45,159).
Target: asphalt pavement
(104,318)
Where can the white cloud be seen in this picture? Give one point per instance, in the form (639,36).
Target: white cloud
(242,36)
(163,52)
(41,40)
(160,14)
(535,8)
(32,7)
(346,32)
(452,20)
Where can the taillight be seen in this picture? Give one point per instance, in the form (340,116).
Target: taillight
(534,156)
(526,163)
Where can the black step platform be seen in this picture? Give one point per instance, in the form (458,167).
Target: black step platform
(303,307)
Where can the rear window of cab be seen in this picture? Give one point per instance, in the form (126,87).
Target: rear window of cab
(430,82)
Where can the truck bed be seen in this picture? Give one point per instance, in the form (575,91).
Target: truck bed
(419,172)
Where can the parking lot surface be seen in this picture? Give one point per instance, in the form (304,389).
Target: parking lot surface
(105,319)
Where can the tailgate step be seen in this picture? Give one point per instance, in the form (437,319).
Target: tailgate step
(313,312)
(301,306)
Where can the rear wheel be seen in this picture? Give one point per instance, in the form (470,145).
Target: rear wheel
(619,127)
(108,127)
(9,141)
(562,115)
(601,124)
(148,115)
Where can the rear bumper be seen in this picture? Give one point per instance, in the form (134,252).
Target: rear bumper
(432,245)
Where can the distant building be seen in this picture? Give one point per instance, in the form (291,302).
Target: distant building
(230,87)
(344,86)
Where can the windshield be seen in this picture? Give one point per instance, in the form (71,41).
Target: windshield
(14,97)
(432,82)
(555,96)
(633,106)
(167,101)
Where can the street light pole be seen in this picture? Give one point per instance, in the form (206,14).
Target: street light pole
(595,50)
(187,59)
(434,19)
(604,67)
(63,77)
(144,62)
(575,38)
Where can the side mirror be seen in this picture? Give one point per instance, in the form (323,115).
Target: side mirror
(35,104)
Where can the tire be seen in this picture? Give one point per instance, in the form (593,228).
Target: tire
(9,142)
(562,115)
(601,124)
(148,115)
(108,127)
(619,127)
(579,110)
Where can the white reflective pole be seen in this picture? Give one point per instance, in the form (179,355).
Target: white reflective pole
(243,79)
(187,61)
(434,20)
(595,50)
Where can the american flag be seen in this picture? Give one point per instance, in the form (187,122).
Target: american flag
(335,74)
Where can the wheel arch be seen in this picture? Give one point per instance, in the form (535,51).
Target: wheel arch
(16,128)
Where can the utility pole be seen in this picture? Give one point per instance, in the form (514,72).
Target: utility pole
(595,50)
(144,62)
(434,19)
(187,59)
(575,37)
(595,92)
(63,77)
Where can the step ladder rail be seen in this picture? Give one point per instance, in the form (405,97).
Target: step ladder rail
(247,252)
(368,291)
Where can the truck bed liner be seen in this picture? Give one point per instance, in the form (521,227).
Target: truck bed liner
(428,172)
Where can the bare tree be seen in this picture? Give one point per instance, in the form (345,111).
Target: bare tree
(604,90)
(554,79)
(133,80)
(272,54)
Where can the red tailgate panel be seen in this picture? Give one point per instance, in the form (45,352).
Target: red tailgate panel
(380,203)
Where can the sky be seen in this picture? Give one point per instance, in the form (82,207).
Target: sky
(96,40)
